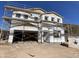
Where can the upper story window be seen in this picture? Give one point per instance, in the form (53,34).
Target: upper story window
(18,15)
(26,16)
(46,18)
(36,18)
(58,20)
(52,19)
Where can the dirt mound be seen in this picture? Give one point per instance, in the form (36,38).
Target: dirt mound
(34,49)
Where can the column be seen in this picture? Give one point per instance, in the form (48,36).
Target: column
(10,40)
(39,36)
(40,33)
(42,38)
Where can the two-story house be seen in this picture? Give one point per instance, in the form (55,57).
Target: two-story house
(35,24)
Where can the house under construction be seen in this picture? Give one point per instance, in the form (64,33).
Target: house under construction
(34,24)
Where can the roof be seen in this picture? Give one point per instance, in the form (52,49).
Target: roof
(36,9)
(45,12)
(31,10)
(54,13)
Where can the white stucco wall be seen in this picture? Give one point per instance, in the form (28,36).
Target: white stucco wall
(22,13)
(50,16)
(31,28)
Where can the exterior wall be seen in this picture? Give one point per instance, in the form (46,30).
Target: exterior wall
(28,28)
(52,15)
(22,13)
(50,37)
(60,39)
(31,15)
(38,10)
(73,41)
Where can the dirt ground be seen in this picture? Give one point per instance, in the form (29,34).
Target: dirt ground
(36,50)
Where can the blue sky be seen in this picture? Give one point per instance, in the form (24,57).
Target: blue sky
(68,9)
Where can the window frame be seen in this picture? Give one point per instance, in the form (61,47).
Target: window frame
(57,34)
(25,17)
(46,18)
(35,18)
(34,15)
(18,15)
(58,19)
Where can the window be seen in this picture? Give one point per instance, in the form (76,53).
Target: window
(25,16)
(56,34)
(33,14)
(52,19)
(36,18)
(18,15)
(58,20)
(75,42)
(46,18)
(45,33)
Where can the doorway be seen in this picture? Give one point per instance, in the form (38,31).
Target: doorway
(21,35)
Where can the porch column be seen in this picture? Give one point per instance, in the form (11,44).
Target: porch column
(39,36)
(10,40)
(42,38)
(40,33)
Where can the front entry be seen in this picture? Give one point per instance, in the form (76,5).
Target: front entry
(20,35)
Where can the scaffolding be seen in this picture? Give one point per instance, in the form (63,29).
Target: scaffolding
(41,23)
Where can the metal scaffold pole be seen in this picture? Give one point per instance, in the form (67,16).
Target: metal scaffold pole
(1,37)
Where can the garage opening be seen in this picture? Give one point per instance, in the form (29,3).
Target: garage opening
(20,35)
